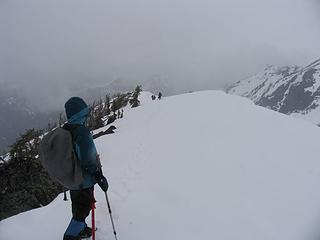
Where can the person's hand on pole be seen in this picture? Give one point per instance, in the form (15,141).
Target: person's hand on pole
(101,180)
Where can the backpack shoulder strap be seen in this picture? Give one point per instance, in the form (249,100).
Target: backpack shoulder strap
(71,128)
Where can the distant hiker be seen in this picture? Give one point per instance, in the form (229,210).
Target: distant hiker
(153,97)
(82,197)
(159,95)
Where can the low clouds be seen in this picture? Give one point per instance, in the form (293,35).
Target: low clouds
(57,46)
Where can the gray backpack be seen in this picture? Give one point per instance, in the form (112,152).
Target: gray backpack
(58,157)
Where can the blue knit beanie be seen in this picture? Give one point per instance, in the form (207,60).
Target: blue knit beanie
(75,105)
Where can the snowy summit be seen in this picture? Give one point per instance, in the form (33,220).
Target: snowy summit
(205,165)
(290,90)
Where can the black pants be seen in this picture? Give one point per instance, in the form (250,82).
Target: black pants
(81,203)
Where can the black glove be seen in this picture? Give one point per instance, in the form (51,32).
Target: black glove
(101,180)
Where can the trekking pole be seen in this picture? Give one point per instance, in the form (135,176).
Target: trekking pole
(109,207)
(93,206)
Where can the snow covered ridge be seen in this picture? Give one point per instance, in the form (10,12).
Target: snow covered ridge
(290,90)
(233,171)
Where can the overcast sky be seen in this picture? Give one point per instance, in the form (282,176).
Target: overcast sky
(49,47)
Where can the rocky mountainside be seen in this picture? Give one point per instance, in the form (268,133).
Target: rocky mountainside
(291,90)
(24,183)
(17,113)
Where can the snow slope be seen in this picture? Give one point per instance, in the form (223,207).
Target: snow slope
(205,165)
(290,90)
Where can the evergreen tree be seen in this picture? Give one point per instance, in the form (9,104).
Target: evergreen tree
(24,184)
(95,119)
(106,111)
(98,115)
(90,119)
(134,101)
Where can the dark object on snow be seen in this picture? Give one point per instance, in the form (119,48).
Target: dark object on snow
(159,95)
(65,195)
(153,97)
(65,237)
(110,130)
(111,119)
(101,180)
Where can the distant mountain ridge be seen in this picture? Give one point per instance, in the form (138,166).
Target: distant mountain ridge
(290,90)
(154,85)
(18,115)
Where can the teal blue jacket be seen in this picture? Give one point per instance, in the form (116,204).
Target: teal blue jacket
(84,148)
(87,154)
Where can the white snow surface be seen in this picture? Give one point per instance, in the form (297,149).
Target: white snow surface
(204,165)
(267,82)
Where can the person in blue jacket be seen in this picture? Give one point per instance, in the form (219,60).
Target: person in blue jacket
(82,198)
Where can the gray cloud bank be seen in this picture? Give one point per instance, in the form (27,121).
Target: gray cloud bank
(52,48)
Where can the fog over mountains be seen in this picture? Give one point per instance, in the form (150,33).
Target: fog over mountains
(51,50)
(291,90)
(19,113)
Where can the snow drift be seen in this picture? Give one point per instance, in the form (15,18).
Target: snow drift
(205,165)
